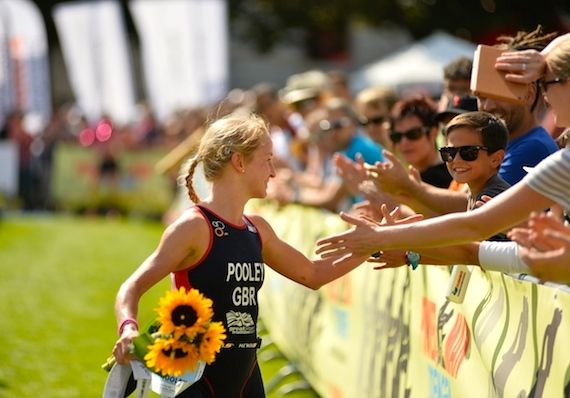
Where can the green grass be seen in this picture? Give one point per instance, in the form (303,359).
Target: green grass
(58,280)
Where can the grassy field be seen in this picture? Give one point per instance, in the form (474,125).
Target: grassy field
(58,280)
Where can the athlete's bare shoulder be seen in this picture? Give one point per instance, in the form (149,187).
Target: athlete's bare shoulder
(189,224)
(185,240)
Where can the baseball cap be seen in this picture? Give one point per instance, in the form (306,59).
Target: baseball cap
(456,106)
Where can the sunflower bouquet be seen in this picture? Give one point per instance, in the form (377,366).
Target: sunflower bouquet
(173,351)
(183,335)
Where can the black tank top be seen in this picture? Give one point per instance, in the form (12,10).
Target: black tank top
(230,273)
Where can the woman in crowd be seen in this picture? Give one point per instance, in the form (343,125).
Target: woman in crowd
(414,137)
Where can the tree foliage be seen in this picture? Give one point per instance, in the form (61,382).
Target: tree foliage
(269,21)
(318,24)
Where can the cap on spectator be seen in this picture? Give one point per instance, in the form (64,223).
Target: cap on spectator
(304,86)
(299,95)
(458,105)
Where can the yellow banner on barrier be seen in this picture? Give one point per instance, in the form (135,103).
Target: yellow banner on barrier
(392,333)
(86,179)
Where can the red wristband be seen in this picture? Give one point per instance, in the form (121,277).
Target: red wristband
(125,322)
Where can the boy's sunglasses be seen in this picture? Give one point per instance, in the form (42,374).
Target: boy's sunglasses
(412,134)
(468,153)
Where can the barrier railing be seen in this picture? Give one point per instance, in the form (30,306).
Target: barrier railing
(392,333)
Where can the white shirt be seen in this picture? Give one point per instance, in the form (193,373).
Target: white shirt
(551,178)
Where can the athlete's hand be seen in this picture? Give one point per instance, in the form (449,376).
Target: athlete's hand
(123,349)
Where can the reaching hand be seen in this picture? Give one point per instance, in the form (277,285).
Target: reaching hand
(391,258)
(367,209)
(522,66)
(484,199)
(388,259)
(546,247)
(552,265)
(533,236)
(357,241)
(352,173)
(362,239)
(521,235)
(392,176)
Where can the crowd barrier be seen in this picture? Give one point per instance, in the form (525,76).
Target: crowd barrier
(79,185)
(392,333)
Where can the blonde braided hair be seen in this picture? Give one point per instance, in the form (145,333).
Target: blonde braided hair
(224,137)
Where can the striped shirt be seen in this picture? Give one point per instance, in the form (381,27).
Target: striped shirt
(551,178)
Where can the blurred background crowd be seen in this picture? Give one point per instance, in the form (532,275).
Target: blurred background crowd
(101,101)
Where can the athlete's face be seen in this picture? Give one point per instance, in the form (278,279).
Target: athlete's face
(260,168)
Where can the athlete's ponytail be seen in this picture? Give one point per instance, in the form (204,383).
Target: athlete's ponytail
(191,167)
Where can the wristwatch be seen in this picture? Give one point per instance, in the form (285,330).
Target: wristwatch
(413,259)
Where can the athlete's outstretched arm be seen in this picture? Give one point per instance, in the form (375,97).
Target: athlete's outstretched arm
(294,265)
(291,263)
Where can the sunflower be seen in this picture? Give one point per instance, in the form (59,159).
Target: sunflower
(212,342)
(184,313)
(171,357)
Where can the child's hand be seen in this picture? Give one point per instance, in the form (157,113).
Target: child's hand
(484,199)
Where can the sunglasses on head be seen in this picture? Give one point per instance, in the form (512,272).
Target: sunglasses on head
(327,125)
(468,153)
(412,134)
(378,120)
(543,84)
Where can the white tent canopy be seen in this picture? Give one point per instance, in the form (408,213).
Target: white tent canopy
(417,67)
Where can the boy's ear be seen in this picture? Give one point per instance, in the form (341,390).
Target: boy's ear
(497,158)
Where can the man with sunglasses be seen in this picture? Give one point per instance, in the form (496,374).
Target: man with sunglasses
(529,143)
(373,105)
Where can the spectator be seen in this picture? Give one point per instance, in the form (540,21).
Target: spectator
(373,105)
(529,143)
(477,147)
(414,138)
(338,132)
(305,92)
(339,85)
(284,123)
(27,176)
(456,80)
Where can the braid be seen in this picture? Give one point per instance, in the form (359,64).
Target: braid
(535,40)
(191,168)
